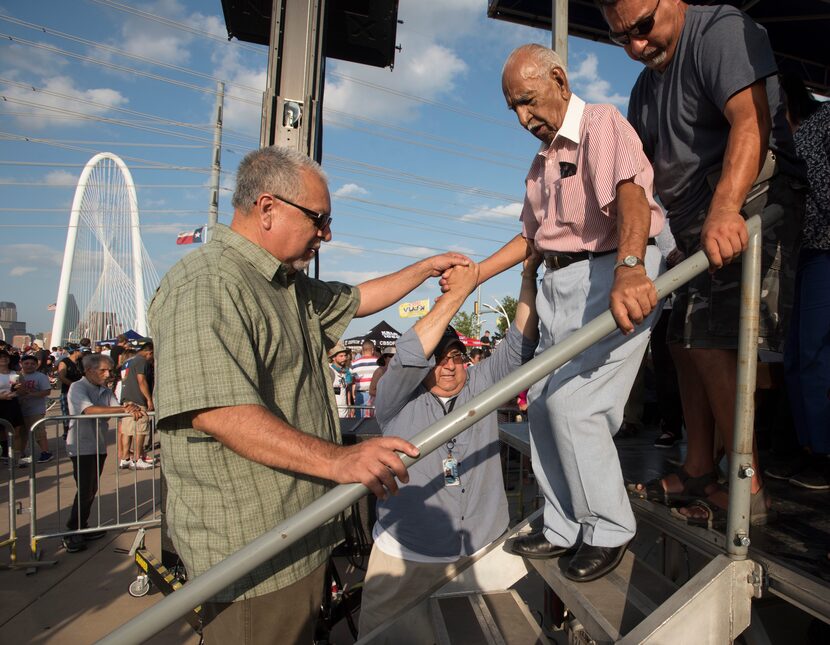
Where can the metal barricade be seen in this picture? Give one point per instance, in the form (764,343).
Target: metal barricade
(124,498)
(11,540)
(291,530)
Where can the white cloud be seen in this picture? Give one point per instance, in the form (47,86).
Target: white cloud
(25,58)
(18,271)
(60,178)
(24,255)
(240,115)
(349,277)
(508,213)
(331,249)
(428,70)
(104,99)
(587,82)
(347,190)
(156,40)
(417,252)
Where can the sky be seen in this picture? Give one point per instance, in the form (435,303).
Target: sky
(421,159)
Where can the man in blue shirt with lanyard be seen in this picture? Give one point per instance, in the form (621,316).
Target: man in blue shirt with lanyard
(454,503)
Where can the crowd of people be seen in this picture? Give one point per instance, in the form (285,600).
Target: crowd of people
(93,378)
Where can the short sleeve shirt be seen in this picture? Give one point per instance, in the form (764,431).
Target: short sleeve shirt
(34,382)
(571,187)
(678,113)
(231,326)
(88,436)
(130,391)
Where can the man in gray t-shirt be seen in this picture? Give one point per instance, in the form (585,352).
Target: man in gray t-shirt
(708,109)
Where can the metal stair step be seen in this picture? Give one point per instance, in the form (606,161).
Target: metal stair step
(488,618)
(610,607)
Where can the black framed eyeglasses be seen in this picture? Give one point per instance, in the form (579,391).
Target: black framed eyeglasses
(640,28)
(321,220)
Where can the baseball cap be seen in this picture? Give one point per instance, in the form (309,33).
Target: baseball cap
(449,340)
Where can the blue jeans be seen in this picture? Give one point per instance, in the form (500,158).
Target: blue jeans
(807,356)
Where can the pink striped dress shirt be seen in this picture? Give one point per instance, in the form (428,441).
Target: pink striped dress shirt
(571,185)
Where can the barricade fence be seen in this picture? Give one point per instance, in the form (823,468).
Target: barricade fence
(82,494)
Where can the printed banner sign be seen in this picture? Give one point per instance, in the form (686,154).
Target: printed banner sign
(414,309)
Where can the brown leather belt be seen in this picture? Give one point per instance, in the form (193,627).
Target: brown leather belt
(554,260)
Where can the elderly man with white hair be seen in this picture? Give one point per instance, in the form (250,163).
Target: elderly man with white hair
(589,210)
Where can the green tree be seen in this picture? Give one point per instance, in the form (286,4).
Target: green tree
(465,323)
(508,303)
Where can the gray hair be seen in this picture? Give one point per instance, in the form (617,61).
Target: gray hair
(545,58)
(271,170)
(93,361)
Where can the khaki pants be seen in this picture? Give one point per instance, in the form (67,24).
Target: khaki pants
(21,437)
(286,616)
(390,585)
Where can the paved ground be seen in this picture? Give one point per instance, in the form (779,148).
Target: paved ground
(83,596)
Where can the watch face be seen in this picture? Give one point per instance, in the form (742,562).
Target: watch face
(630,260)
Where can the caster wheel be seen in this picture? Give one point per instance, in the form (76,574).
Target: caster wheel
(139,587)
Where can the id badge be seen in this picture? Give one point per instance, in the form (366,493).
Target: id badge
(451,471)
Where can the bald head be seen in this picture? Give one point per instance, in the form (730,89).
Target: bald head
(533,61)
(536,88)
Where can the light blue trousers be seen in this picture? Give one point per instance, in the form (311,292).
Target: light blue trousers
(576,411)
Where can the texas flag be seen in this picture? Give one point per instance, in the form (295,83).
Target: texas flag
(191,237)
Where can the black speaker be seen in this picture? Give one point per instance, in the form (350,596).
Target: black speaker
(362,31)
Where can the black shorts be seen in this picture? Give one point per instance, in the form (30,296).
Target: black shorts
(705,311)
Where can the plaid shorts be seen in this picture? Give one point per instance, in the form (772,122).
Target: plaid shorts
(705,311)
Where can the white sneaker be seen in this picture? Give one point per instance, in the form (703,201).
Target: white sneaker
(25,461)
(125,463)
(142,465)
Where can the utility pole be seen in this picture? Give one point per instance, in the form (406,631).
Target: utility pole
(213,210)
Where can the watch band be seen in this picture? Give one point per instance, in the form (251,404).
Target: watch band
(629,261)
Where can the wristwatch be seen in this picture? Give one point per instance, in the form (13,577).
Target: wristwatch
(629,261)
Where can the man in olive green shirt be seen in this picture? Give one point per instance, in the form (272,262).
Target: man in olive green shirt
(249,429)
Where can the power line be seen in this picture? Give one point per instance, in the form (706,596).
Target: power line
(422,211)
(423,134)
(120,52)
(428,146)
(122,68)
(400,175)
(78,99)
(419,99)
(103,119)
(73,184)
(61,164)
(175,24)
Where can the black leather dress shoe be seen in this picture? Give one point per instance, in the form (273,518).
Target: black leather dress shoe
(592,562)
(536,546)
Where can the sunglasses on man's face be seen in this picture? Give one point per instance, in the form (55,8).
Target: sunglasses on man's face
(640,28)
(321,220)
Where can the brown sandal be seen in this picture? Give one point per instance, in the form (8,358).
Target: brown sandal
(693,488)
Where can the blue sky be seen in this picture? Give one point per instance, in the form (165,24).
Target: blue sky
(421,159)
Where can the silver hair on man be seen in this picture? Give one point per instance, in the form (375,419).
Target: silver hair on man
(271,170)
(544,57)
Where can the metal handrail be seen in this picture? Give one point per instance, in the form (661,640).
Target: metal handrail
(207,585)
